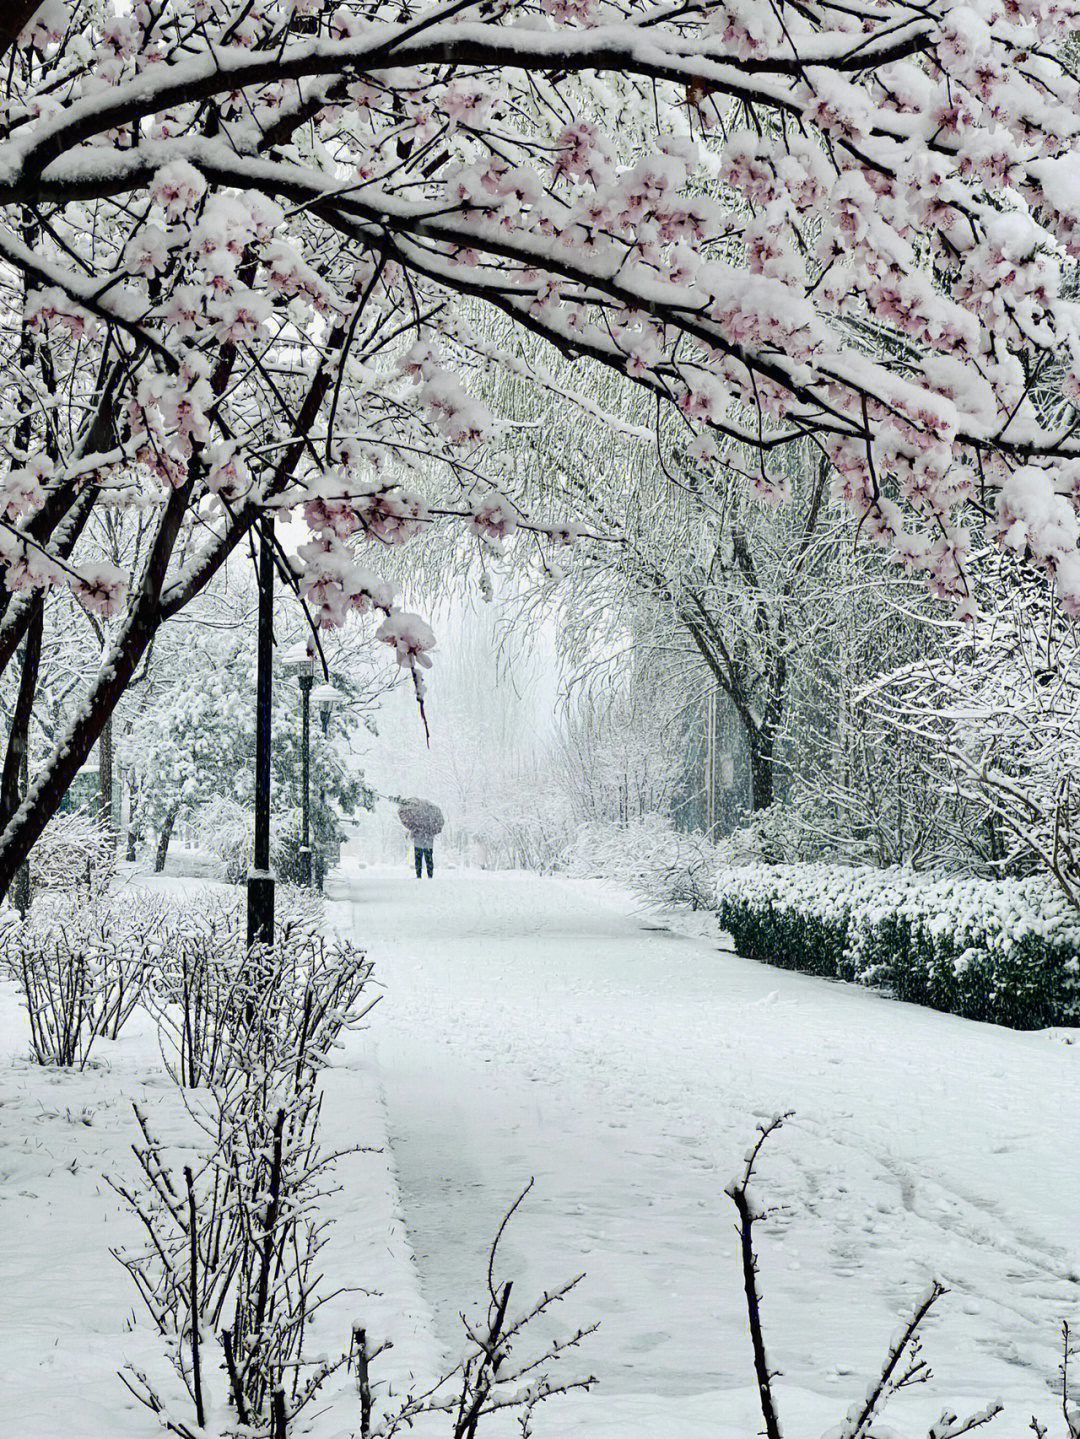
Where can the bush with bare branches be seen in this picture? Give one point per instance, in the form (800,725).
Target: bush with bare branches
(662,865)
(76,852)
(234,1238)
(903,1365)
(489,1378)
(215,996)
(82,966)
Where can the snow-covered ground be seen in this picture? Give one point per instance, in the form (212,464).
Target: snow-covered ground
(538,1028)
(70,1317)
(535,1028)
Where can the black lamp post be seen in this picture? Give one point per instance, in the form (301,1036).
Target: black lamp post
(326,697)
(301,662)
(260,909)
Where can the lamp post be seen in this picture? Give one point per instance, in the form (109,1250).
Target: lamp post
(301,662)
(260,895)
(326,697)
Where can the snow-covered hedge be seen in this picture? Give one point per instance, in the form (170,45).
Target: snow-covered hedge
(1004,950)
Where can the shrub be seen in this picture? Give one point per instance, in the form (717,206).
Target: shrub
(217,998)
(224,827)
(75,852)
(82,967)
(1005,951)
(234,1239)
(661,864)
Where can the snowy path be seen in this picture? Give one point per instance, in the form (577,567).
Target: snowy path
(532,1029)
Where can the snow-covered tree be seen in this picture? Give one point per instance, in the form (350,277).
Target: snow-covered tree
(236,233)
(185,733)
(999,707)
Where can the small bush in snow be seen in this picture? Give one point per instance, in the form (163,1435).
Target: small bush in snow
(497,1374)
(219,1003)
(75,852)
(661,864)
(223,827)
(82,968)
(1003,950)
(903,1365)
(228,1275)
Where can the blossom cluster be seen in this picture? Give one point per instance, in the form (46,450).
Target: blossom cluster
(855,223)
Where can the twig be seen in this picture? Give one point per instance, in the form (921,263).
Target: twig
(193,1236)
(363,1381)
(738,1192)
(234,1377)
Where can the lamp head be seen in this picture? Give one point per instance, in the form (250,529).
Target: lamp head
(297,660)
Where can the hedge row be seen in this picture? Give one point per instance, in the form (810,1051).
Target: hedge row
(1006,951)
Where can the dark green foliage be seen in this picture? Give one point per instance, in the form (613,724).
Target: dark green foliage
(786,937)
(1026,981)
(1026,984)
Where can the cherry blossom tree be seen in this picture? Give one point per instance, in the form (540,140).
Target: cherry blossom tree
(236,237)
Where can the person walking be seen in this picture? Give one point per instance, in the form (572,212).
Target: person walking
(423,820)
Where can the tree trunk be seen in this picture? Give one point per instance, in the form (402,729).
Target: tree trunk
(132,825)
(15,761)
(164,837)
(762,787)
(118,665)
(105,774)
(17,16)
(763,740)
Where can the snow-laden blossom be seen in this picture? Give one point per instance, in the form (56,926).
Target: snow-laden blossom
(391,514)
(51,309)
(177,188)
(100,587)
(409,636)
(1033,516)
(227,474)
(493,518)
(183,409)
(241,316)
(147,252)
(22,488)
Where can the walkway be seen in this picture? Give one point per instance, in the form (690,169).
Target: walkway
(531,1029)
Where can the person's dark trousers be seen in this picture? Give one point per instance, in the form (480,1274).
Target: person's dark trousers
(424,856)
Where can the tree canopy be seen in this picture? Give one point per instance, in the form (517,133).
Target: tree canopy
(237,235)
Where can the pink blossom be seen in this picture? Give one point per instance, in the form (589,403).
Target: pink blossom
(493,518)
(100,587)
(409,636)
(147,252)
(177,188)
(241,316)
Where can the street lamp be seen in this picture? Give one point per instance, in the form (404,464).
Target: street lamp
(326,697)
(300,662)
(260,914)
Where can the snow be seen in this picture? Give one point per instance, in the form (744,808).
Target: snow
(66,1324)
(537,1027)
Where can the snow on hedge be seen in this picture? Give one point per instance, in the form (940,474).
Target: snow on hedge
(1006,950)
